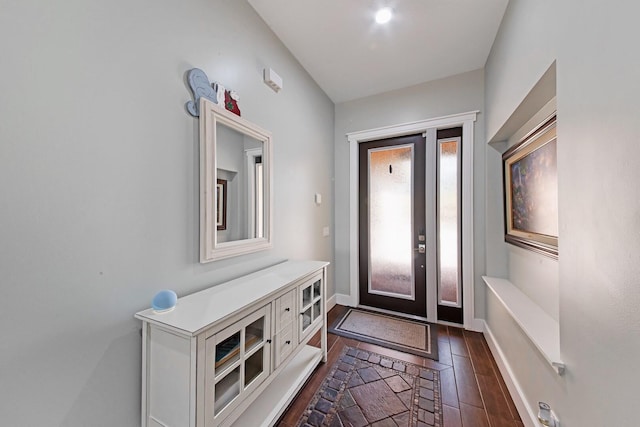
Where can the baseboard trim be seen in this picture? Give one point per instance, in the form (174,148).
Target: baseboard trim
(346,300)
(528,415)
(476,325)
(331,302)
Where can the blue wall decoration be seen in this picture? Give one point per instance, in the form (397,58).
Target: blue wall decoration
(201,88)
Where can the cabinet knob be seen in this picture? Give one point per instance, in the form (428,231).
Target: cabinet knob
(288,341)
(268,341)
(287,309)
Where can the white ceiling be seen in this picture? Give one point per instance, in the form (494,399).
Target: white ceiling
(350,56)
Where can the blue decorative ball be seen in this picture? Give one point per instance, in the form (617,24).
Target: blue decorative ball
(164,300)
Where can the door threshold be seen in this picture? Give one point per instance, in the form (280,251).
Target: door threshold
(393,313)
(454,324)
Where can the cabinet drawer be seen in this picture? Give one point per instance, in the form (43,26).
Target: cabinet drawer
(285,343)
(285,307)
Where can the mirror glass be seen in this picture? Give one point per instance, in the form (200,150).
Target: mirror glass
(235,213)
(240,185)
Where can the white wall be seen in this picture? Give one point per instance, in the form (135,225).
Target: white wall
(452,95)
(598,150)
(524,48)
(99,186)
(598,269)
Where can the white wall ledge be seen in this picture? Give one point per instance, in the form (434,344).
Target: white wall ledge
(542,329)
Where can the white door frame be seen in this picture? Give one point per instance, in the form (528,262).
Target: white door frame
(465,120)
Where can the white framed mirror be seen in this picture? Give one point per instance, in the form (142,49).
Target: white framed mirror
(235,184)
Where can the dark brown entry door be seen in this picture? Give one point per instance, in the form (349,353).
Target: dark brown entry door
(392,256)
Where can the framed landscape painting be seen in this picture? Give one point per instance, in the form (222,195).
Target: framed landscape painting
(531,191)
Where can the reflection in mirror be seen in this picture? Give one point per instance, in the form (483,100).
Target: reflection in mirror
(240,165)
(235,185)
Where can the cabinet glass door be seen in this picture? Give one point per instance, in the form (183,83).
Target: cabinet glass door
(238,360)
(310,304)
(254,345)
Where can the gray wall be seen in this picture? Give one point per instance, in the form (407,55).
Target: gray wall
(452,95)
(524,48)
(598,152)
(598,269)
(99,186)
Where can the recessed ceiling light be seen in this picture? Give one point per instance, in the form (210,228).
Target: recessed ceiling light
(383,15)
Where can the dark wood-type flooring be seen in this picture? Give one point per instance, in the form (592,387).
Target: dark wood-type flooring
(473,391)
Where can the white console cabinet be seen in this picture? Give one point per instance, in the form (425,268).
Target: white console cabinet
(235,354)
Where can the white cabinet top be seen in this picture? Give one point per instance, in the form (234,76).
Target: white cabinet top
(196,312)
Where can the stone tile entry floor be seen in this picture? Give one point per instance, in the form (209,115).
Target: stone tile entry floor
(367,389)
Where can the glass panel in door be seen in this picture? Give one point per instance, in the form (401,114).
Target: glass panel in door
(392,224)
(390,228)
(253,335)
(227,389)
(448,229)
(227,352)
(448,220)
(253,366)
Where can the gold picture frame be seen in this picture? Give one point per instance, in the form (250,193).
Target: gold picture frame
(531,191)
